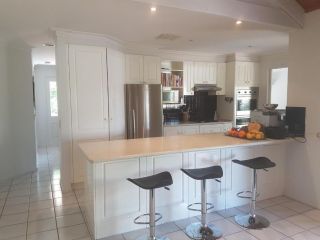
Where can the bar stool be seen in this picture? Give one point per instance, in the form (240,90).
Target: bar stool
(252,220)
(150,183)
(203,230)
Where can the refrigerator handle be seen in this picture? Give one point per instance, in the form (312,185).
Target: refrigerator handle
(134,123)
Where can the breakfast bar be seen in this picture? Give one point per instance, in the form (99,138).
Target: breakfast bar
(112,203)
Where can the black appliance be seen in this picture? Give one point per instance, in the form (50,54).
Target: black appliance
(202,106)
(275,132)
(295,120)
(171,115)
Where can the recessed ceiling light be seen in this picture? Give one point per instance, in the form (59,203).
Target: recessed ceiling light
(238,22)
(153,9)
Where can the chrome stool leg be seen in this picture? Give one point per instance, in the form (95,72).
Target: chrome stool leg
(152,220)
(202,230)
(252,220)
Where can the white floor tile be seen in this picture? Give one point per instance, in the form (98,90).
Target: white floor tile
(303,221)
(281,211)
(13,231)
(241,236)
(47,235)
(227,227)
(67,209)
(17,200)
(180,235)
(41,226)
(21,208)
(8,220)
(306,236)
(297,206)
(267,234)
(41,205)
(65,201)
(70,220)
(287,228)
(41,214)
(314,214)
(73,232)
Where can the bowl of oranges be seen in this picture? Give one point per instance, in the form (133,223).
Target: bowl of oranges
(254,131)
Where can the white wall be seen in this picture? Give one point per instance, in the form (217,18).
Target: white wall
(6,168)
(303,166)
(268,62)
(17,136)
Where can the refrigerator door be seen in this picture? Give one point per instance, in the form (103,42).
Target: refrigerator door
(144,110)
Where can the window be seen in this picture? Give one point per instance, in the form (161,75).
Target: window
(53,98)
(279,87)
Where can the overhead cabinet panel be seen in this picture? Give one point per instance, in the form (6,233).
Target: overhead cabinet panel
(151,69)
(134,69)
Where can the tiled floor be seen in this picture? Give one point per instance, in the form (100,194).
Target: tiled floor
(32,207)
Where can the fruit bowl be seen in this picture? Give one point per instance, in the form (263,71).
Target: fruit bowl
(254,135)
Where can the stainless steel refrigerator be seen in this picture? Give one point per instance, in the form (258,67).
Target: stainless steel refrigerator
(144,110)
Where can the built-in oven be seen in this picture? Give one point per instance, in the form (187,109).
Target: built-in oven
(246,101)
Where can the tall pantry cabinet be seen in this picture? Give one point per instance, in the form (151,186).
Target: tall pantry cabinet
(96,96)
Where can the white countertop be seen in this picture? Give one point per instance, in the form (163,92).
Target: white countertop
(103,151)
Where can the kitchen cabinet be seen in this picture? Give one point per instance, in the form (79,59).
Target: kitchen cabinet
(211,128)
(95,112)
(151,70)
(188,78)
(221,77)
(189,130)
(200,73)
(89,99)
(142,69)
(247,74)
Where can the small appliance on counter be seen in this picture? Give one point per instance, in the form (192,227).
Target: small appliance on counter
(295,121)
(268,117)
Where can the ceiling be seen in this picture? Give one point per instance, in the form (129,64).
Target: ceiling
(309,5)
(132,22)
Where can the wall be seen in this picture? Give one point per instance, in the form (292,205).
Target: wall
(6,168)
(268,62)
(17,137)
(303,164)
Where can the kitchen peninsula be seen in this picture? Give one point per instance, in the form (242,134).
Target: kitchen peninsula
(112,202)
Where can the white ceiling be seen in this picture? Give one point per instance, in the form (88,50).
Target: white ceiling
(133,23)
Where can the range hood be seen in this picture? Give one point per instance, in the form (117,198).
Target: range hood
(206,88)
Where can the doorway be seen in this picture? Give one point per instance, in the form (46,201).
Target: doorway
(278,87)
(46,105)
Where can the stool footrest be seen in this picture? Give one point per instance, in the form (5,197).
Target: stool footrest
(190,207)
(246,194)
(136,220)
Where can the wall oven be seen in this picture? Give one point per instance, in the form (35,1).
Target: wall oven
(246,101)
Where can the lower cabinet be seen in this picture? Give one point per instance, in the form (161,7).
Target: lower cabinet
(196,129)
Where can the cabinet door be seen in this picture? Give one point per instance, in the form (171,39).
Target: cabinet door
(151,70)
(215,128)
(134,69)
(241,74)
(226,127)
(116,80)
(89,99)
(188,78)
(221,77)
(212,73)
(171,131)
(190,130)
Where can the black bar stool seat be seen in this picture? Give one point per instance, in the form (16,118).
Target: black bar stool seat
(159,180)
(203,230)
(163,179)
(256,163)
(253,220)
(204,173)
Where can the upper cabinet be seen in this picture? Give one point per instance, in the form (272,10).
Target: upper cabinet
(247,74)
(203,73)
(142,69)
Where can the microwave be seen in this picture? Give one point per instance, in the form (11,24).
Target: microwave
(170,96)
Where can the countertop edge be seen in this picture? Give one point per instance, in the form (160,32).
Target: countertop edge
(248,143)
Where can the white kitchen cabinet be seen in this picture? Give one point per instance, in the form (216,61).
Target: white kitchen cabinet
(171,131)
(188,78)
(221,77)
(89,99)
(142,69)
(116,79)
(134,69)
(247,74)
(151,70)
(205,73)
